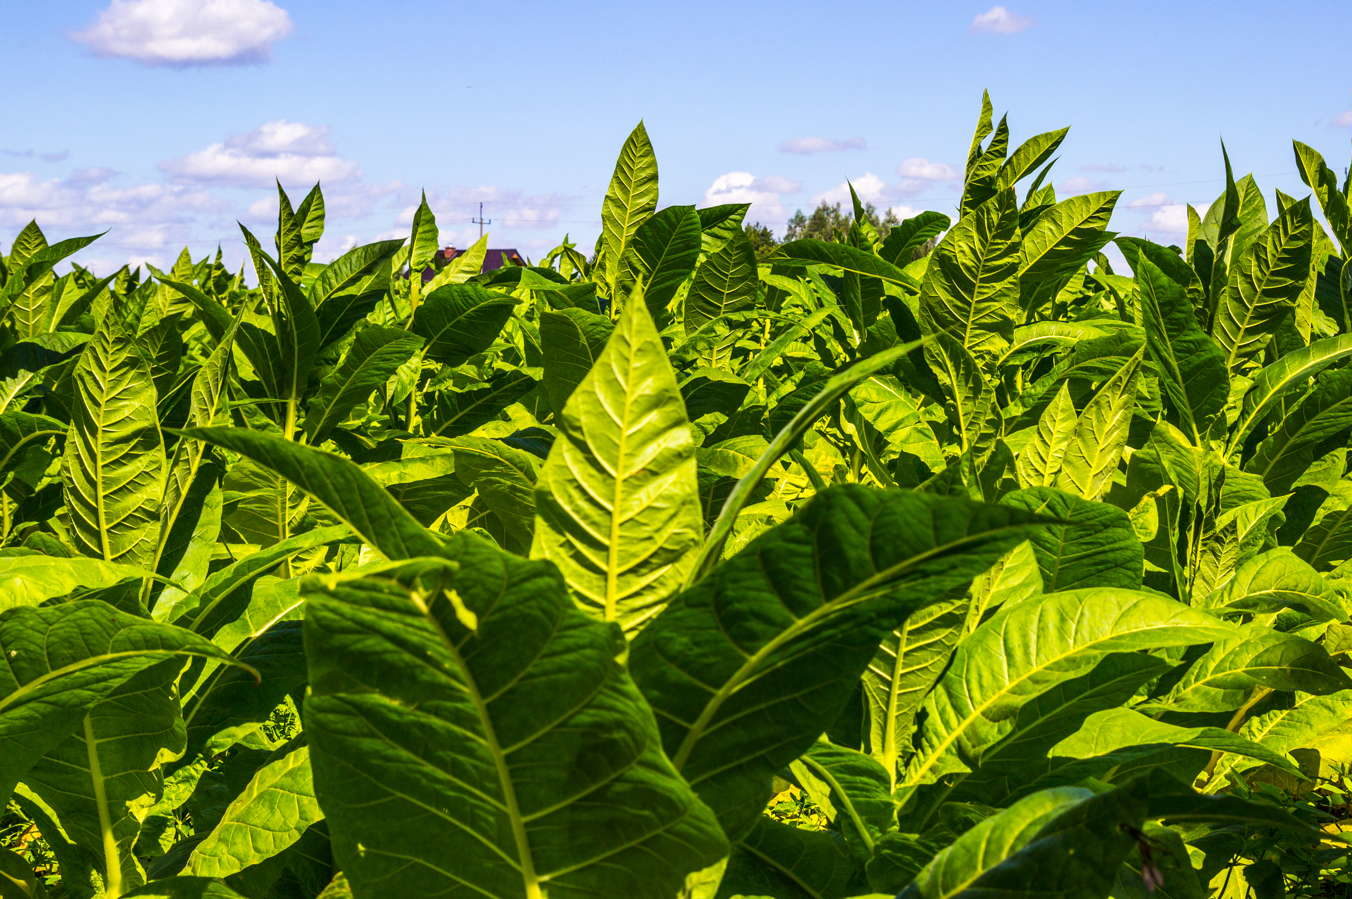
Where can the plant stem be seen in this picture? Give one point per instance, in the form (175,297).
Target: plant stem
(112,863)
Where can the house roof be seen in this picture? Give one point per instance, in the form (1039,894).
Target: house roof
(493,258)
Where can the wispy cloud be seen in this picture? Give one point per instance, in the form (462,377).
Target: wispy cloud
(1000,20)
(1118,168)
(1150,201)
(187,32)
(1079,184)
(923,169)
(1343,119)
(292,152)
(809,145)
(45,156)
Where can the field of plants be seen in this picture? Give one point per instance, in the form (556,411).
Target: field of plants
(944,560)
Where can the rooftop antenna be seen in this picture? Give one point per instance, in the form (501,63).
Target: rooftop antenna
(481,221)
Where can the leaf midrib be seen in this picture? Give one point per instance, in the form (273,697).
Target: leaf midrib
(978,710)
(858,594)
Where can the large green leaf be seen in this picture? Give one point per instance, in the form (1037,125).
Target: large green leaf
(458,412)
(617,503)
(1118,735)
(267,816)
(1263,285)
(296,335)
(1191,366)
(1094,449)
(63,660)
(1224,676)
(571,340)
(376,353)
(484,740)
(29,578)
(1275,580)
(1039,462)
(1031,647)
(666,247)
(749,665)
(100,780)
(1306,720)
(1028,156)
(786,862)
(908,663)
(1065,842)
(1059,243)
(1323,414)
(908,239)
(630,200)
(809,251)
(725,282)
(1019,762)
(21,430)
(1091,545)
(348,271)
(971,288)
(460,320)
(1289,371)
(851,789)
(360,502)
(1320,179)
(114,466)
(958,869)
(425,238)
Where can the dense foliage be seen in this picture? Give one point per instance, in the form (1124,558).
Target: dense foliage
(876,567)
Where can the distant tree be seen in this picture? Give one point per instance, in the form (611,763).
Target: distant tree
(829,221)
(762,239)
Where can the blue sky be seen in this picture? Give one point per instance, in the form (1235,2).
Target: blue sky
(165,120)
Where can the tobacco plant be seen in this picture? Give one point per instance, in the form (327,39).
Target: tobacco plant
(941,561)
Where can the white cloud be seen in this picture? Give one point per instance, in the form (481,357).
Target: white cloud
(155,237)
(924,170)
(904,212)
(807,145)
(331,245)
(264,208)
(280,137)
(764,194)
(140,219)
(1343,119)
(288,151)
(74,202)
(1149,201)
(187,32)
(778,184)
(999,20)
(869,187)
(1173,218)
(507,207)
